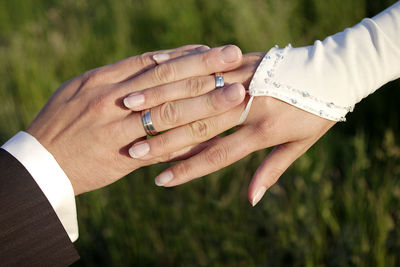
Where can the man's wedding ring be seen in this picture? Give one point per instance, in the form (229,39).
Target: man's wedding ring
(147,123)
(219,80)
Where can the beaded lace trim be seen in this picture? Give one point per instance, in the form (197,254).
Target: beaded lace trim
(283,91)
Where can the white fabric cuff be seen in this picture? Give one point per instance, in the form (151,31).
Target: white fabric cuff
(287,88)
(51,179)
(330,77)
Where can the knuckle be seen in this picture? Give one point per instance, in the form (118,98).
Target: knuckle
(92,78)
(181,170)
(85,76)
(194,86)
(169,113)
(212,103)
(217,156)
(274,174)
(155,96)
(162,141)
(99,104)
(147,54)
(145,60)
(206,61)
(166,157)
(263,129)
(165,73)
(199,130)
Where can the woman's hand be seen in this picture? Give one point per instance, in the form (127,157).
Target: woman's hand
(271,122)
(88,130)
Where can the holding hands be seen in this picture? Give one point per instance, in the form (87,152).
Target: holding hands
(99,116)
(271,122)
(88,130)
(95,126)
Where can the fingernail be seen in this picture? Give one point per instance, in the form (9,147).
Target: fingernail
(139,150)
(164,178)
(133,101)
(232,93)
(203,48)
(260,193)
(230,53)
(160,58)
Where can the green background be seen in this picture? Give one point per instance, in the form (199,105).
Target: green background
(338,205)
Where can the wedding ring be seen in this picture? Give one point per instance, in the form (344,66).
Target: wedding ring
(219,80)
(147,123)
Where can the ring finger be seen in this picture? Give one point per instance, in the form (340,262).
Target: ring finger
(185,136)
(173,114)
(187,88)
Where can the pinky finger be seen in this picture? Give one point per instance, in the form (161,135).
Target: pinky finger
(273,166)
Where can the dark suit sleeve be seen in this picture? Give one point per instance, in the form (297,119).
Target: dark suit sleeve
(30,232)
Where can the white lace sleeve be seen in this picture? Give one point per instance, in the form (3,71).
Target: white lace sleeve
(330,77)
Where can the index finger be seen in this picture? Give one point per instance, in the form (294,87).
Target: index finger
(221,153)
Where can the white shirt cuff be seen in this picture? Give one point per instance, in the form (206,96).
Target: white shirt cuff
(51,179)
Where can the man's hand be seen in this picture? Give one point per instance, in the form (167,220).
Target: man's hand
(271,122)
(88,129)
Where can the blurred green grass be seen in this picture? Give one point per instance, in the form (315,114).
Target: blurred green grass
(337,206)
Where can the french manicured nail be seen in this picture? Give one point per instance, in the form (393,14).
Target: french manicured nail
(230,53)
(232,93)
(260,193)
(133,101)
(164,178)
(160,58)
(203,48)
(139,150)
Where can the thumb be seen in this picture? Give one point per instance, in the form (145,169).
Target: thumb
(273,166)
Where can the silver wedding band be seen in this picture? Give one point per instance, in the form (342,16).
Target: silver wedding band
(219,80)
(147,123)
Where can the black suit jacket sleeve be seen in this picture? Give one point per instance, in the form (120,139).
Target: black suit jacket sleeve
(30,232)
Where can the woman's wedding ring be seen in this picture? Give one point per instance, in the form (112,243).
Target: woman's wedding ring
(219,80)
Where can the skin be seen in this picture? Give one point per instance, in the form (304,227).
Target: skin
(270,123)
(88,130)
